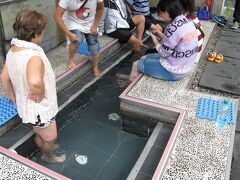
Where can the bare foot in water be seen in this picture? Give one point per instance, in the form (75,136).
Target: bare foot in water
(53,158)
(71,64)
(96,71)
(123,80)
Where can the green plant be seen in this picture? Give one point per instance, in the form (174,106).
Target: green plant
(229,9)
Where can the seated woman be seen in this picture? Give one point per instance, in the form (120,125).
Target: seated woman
(177,48)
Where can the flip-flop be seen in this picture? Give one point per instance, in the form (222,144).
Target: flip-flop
(219,58)
(211,56)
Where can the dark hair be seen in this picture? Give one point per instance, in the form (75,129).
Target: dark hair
(173,7)
(28,24)
(188,6)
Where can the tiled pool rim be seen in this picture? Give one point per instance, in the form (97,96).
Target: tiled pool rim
(36,167)
(175,131)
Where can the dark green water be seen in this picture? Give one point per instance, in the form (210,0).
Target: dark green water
(90,132)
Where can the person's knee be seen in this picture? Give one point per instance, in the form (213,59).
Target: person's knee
(138,19)
(93,45)
(133,40)
(48,137)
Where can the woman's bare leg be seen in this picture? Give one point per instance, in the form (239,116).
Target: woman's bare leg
(134,72)
(45,140)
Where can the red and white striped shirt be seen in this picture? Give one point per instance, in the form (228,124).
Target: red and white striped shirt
(198,25)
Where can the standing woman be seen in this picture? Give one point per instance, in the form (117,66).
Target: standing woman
(30,84)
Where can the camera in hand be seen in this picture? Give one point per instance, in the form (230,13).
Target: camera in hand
(158,36)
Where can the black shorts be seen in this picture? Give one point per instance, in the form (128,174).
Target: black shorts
(130,21)
(149,20)
(39,124)
(122,34)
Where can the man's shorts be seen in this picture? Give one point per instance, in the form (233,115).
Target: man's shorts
(122,34)
(92,41)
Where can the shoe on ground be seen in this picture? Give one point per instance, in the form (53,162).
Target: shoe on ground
(234,25)
(219,58)
(211,56)
(219,20)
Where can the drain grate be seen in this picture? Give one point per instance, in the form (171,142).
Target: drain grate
(208,109)
(7,110)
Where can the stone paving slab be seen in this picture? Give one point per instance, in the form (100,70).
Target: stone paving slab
(222,76)
(229,45)
(230,33)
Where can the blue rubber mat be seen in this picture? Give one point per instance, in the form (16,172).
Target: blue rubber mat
(83,49)
(208,109)
(7,110)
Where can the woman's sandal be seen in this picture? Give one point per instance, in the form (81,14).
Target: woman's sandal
(219,58)
(211,56)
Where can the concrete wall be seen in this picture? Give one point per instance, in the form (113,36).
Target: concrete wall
(217,7)
(52,36)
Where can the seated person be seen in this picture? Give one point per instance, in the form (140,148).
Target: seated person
(118,24)
(141,7)
(177,47)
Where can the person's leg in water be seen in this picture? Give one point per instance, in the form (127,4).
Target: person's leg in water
(139,22)
(135,44)
(94,48)
(45,141)
(134,72)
